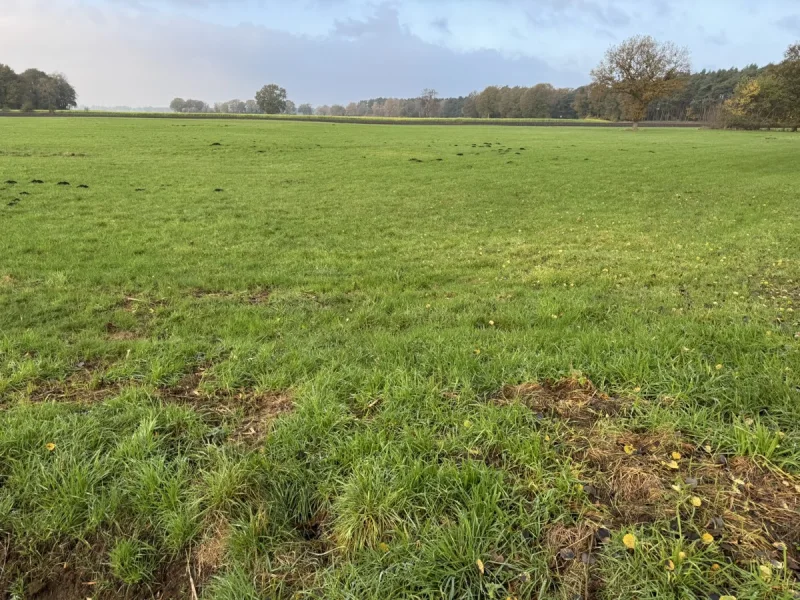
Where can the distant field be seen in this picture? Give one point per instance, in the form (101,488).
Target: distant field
(360,120)
(260,359)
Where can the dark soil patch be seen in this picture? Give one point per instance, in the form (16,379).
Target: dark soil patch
(63,183)
(216,144)
(24,194)
(139,190)
(83,186)
(116,334)
(219,190)
(10,182)
(82,387)
(37,181)
(258,410)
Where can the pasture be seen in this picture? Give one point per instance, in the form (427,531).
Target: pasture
(262,359)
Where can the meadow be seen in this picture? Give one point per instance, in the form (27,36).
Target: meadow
(263,359)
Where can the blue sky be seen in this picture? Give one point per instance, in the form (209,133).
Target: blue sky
(145,52)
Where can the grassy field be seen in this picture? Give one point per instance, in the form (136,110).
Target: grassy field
(305,360)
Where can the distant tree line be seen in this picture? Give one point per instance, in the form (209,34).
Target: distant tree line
(35,90)
(271,99)
(638,80)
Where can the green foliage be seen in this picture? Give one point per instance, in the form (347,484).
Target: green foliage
(35,90)
(271,99)
(132,561)
(770,99)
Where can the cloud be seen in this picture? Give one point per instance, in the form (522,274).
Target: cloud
(138,58)
(790,23)
(143,52)
(441,25)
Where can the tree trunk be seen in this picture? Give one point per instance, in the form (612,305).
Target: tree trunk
(636,125)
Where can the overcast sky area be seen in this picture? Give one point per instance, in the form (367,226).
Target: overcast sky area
(146,52)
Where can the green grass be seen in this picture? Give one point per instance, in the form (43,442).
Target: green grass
(155,336)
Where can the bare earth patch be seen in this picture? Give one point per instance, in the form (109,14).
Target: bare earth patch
(260,409)
(750,508)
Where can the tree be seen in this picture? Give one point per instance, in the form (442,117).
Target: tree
(271,99)
(429,105)
(8,87)
(537,102)
(177,105)
(470,108)
(290,108)
(337,110)
(641,70)
(788,74)
(62,94)
(305,109)
(251,107)
(487,102)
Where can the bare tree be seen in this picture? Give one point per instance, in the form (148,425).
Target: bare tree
(429,105)
(641,70)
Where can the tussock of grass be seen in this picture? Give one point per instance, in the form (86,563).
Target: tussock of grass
(352,375)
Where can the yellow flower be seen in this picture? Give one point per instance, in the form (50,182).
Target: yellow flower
(673,465)
(479,564)
(629,449)
(629,540)
(696,502)
(707,538)
(50,447)
(719,367)
(676,455)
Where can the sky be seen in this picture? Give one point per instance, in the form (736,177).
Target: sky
(146,52)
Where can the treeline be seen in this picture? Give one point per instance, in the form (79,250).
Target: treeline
(35,90)
(641,79)
(236,107)
(700,100)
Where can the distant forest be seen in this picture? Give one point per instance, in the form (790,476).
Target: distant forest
(35,90)
(699,100)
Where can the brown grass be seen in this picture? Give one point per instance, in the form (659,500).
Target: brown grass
(574,400)
(751,508)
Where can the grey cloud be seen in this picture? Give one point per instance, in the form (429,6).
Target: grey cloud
(790,23)
(555,13)
(147,60)
(718,39)
(441,25)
